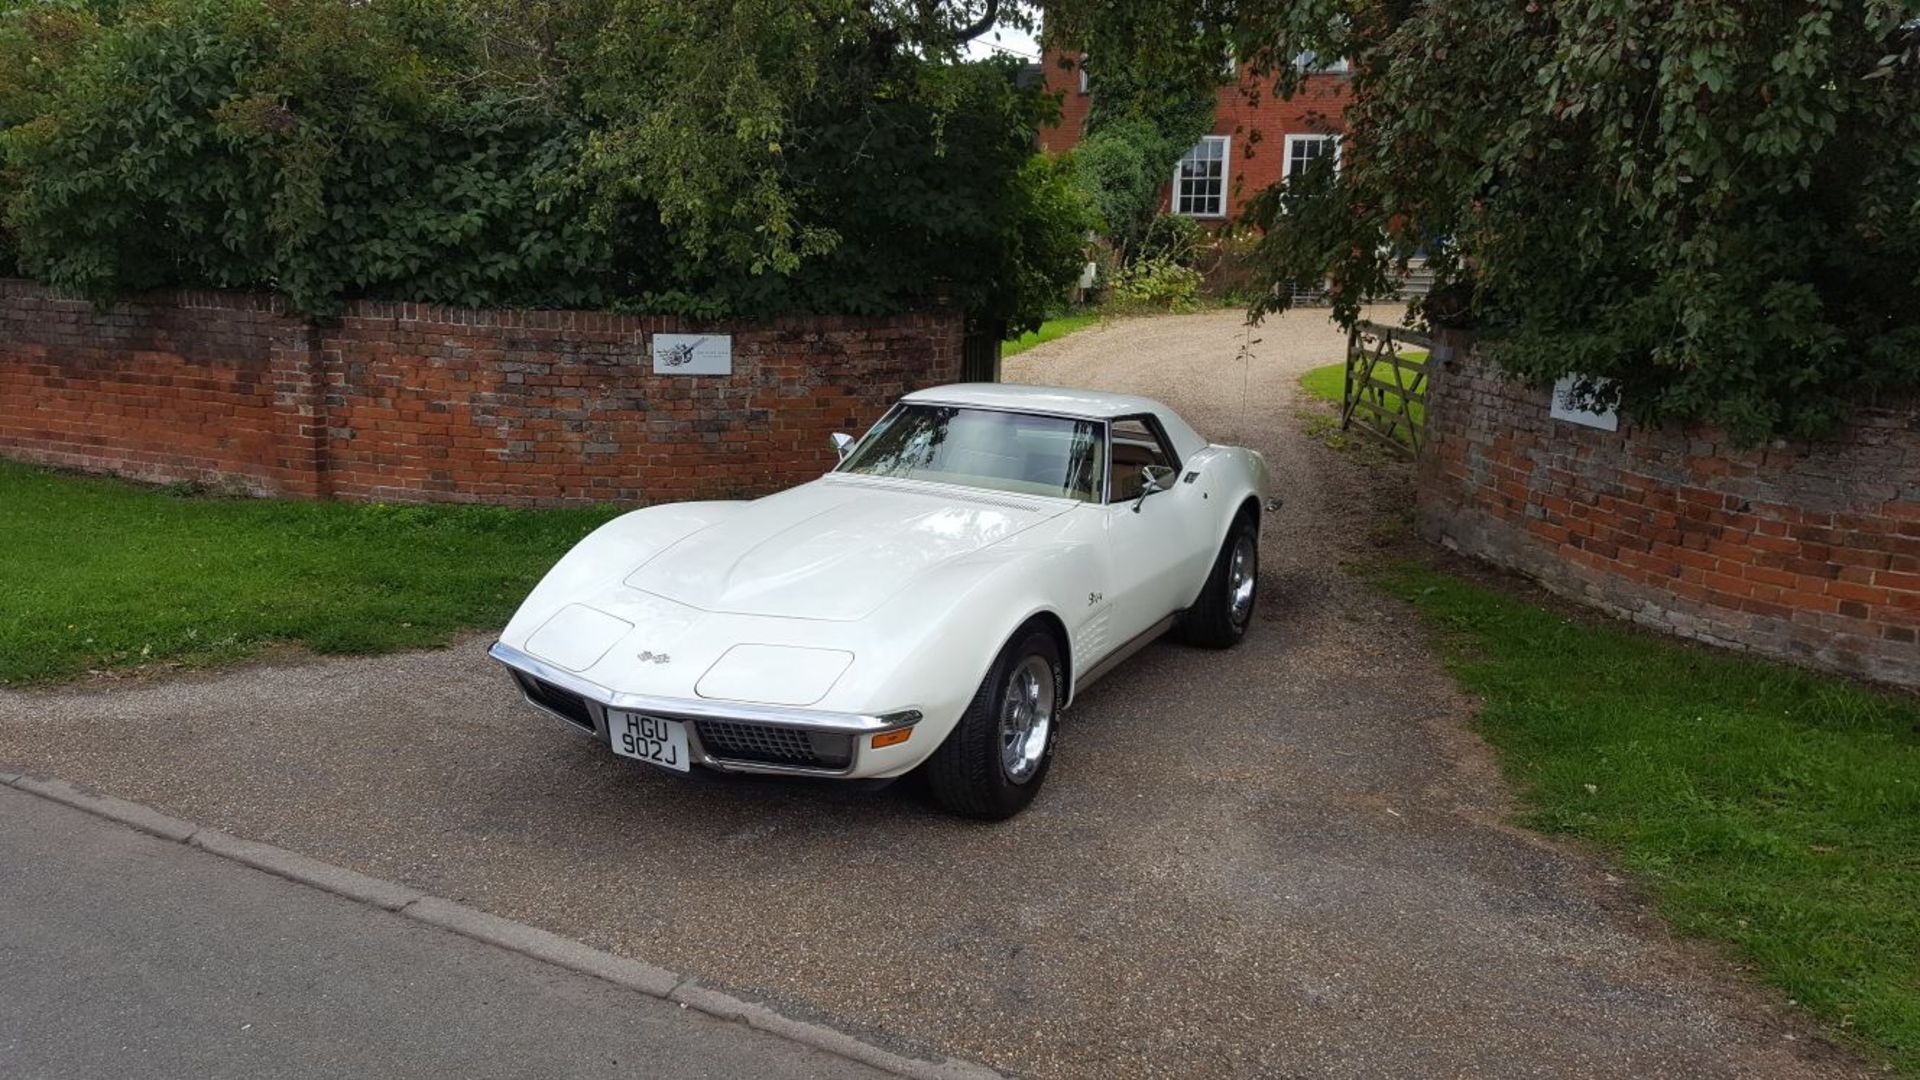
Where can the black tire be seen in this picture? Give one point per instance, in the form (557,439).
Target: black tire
(969,774)
(1214,622)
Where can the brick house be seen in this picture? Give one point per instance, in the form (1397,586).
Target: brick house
(1258,137)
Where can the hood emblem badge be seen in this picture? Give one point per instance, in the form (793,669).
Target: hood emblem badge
(654,658)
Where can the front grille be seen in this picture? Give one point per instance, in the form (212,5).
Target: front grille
(776,745)
(550,697)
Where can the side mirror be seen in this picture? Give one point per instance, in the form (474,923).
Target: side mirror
(842,444)
(1153,478)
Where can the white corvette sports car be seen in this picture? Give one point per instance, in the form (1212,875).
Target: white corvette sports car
(978,558)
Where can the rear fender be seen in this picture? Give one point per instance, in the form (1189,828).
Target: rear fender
(1234,476)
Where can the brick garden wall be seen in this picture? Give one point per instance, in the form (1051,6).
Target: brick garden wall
(415,403)
(1809,552)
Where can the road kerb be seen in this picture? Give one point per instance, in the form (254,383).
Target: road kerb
(542,945)
(763,1019)
(759,1017)
(493,930)
(326,877)
(712,1002)
(131,814)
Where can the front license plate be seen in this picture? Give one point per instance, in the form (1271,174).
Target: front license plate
(649,739)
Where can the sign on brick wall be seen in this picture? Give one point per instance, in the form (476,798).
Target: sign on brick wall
(693,354)
(1567,404)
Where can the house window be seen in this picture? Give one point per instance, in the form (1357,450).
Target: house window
(1200,180)
(1304,150)
(1081,67)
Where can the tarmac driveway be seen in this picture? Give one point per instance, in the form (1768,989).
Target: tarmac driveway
(1285,860)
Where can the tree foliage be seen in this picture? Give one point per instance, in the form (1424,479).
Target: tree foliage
(1142,121)
(36,43)
(1716,206)
(747,157)
(318,149)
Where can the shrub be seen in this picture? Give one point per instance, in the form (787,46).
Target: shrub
(487,153)
(1176,238)
(1155,283)
(37,42)
(1120,175)
(308,147)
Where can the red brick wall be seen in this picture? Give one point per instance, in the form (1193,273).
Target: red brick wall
(181,392)
(405,402)
(1803,551)
(1248,112)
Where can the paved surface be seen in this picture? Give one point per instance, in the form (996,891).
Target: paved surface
(1284,860)
(122,956)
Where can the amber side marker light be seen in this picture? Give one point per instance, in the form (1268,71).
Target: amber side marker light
(892,738)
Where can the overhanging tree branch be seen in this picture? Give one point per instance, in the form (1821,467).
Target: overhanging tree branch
(981,25)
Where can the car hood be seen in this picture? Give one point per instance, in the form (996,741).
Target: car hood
(833,549)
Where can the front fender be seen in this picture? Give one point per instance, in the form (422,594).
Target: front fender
(935,645)
(620,545)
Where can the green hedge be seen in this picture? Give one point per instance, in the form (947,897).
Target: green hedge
(482,155)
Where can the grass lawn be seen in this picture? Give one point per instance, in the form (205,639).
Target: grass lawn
(1049,330)
(1768,808)
(1329,383)
(101,573)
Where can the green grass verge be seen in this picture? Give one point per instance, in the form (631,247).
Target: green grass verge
(1768,808)
(101,573)
(1329,383)
(1049,330)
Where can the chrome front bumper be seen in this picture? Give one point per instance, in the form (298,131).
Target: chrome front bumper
(786,725)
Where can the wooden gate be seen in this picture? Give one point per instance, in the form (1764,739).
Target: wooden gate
(1386,385)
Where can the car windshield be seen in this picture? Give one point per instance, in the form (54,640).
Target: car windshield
(1005,451)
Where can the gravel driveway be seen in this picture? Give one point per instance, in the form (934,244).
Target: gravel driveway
(1285,860)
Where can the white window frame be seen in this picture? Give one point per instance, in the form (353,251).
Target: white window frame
(1286,163)
(1080,66)
(1226,178)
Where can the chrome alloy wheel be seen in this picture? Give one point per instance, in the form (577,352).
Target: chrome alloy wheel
(1026,718)
(1241,573)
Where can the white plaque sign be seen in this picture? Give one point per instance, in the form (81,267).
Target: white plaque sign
(693,354)
(1565,409)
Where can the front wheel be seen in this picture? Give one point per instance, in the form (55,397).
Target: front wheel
(1219,619)
(997,756)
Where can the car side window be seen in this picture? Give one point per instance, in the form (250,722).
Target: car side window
(1136,444)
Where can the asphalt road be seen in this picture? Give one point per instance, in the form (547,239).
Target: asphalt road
(126,956)
(1289,859)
